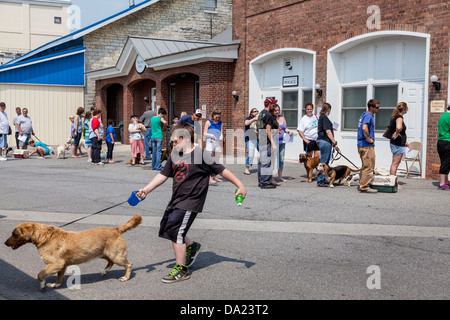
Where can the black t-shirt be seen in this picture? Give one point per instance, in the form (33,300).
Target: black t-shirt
(190,173)
(401,139)
(264,118)
(323,125)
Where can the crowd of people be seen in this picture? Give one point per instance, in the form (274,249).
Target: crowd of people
(317,134)
(265,131)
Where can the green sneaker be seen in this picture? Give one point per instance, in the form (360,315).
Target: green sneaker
(178,273)
(192,253)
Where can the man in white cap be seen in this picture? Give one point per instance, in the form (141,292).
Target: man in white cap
(193,120)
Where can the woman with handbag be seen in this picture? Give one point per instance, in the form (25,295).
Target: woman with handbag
(398,139)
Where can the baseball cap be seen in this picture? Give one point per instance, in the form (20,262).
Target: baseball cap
(269,101)
(198,112)
(2,104)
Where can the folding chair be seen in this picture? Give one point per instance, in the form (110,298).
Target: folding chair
(413,146)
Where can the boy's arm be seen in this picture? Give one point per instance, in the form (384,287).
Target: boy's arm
(158,180)
(227,174)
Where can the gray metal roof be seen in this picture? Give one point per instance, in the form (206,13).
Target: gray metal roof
(151,48)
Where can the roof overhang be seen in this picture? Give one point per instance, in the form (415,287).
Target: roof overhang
(197,52)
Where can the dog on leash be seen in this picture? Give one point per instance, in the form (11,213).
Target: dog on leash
(335,174)
(310,164)
(60,249)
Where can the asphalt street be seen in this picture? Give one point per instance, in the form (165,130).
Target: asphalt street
(291,243)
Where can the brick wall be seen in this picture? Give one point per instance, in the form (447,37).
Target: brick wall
(318,25)
(215,80)
(173,19)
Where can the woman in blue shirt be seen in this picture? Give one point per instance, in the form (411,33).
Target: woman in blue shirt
(40,148)
(213,133)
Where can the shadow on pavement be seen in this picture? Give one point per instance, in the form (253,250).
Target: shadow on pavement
(17,285)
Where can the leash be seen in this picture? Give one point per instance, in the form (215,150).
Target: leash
(341,155)
(37,138)
(116,205)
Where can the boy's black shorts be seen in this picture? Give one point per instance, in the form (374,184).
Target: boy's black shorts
(175,224)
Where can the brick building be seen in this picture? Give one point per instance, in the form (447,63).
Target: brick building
(355,51)
(178,75)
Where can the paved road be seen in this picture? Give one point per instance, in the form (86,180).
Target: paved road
(295,242)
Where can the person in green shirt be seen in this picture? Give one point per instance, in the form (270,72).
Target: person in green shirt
(443,147)
(157,123)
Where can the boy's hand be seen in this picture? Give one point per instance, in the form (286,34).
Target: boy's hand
(241,191)
(141,193)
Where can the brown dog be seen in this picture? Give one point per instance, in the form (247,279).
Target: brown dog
(166,154)
(138,159)
(310,164)
(60,249)
(335,173)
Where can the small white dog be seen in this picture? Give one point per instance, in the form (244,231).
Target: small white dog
(61,151)
(81,144)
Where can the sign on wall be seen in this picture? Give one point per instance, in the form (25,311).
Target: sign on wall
(291,81)
(140,64)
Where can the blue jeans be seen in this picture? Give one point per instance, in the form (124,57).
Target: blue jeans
(156,154)
(148,141)
(251,145)
(325,154)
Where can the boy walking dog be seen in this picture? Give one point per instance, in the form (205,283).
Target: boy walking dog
(190,167)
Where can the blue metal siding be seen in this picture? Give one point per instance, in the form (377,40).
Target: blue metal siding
(66,71)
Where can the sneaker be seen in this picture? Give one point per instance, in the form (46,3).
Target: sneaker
(178,273)
(444,187)
(192,253)
(3,159)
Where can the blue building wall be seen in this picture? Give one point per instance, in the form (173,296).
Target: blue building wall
(66,71)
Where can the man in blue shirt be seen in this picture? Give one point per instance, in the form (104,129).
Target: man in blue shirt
(194,121)
(366,145)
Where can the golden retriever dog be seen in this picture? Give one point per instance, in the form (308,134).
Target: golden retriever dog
(310,164)
(336,173)
(60,249)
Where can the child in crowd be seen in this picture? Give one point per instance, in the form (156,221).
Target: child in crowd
(39,148)
(190,167)
(72,125)
(110,140)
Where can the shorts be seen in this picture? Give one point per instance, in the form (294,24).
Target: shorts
(213,145)
(175,224)
(396,150)
(23,144)
(312,146)
(76,139)
(443,148)
(3,140)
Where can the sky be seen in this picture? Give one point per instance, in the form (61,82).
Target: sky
(95,10)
